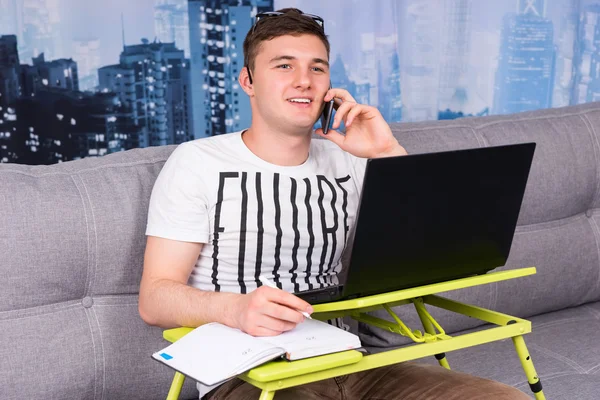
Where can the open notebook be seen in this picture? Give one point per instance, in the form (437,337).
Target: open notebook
(214,353)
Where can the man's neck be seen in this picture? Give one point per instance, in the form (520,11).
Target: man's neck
(276,147)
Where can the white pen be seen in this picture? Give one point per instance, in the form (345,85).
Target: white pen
(267,282)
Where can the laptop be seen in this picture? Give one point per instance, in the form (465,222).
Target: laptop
(434,217)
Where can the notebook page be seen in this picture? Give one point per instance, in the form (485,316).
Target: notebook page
(213,353)
(313,337)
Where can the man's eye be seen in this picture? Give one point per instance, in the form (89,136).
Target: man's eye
(318,69)
(284,66)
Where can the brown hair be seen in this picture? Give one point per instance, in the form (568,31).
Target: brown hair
(292,22)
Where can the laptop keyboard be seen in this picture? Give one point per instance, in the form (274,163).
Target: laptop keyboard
(323,295)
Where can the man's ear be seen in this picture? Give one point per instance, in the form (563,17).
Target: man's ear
(244,81)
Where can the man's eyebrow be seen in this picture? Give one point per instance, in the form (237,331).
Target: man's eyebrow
(286,57)
(321,61)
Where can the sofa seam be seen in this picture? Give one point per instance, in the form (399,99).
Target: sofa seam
(87,231)
(541,226)
(596,231)
(95,263)
(481,140)
(592,222)
(102,351)
(76,304)
(100,167)
(68,304)
(557,356)
(541,117)
(595,146)
(558,322)
(485,125)
(595,312)
(94,349)
(592,371)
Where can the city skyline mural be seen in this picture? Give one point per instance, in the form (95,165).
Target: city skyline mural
(84,78)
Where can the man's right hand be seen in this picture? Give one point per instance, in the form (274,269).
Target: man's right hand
(268,312)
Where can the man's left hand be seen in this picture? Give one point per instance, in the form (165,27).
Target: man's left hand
(367,134)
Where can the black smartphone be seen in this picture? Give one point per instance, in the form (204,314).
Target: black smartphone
(326,116)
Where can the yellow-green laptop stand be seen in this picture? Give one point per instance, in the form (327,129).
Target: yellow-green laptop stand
(433,341)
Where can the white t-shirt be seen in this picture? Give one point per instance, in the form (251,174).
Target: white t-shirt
(256,218)
(290,224)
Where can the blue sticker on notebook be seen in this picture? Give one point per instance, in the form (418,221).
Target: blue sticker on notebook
(165,356)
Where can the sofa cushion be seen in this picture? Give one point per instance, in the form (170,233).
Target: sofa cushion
(72,243)
(563,346)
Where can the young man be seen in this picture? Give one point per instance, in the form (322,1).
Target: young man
(269,201)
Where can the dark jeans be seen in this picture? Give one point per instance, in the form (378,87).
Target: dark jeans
(405,381)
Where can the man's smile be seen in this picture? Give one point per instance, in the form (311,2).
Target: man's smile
(302,102)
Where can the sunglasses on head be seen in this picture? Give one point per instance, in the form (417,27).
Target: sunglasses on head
(268,14)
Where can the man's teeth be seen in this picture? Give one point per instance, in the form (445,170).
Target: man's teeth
(300,100)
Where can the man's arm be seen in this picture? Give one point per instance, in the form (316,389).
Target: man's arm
(167,301)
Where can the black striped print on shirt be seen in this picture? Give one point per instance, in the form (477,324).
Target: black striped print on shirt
(326,234)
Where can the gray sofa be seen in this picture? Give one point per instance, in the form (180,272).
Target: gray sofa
(72,243)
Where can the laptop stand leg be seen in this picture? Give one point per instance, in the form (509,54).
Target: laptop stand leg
(429,328)
(176,385)
(267,395)
(532,377)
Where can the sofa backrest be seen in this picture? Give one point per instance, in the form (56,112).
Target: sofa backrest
(71,252)
(558,228)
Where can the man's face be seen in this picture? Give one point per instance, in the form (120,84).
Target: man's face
(290,79)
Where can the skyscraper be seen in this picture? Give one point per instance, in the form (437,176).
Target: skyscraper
(9,94)
(171,23)
(56,122)
(217,32)
(369,70)
(87,55)
(587,62)
(153,83)
(8,134)
(41,29)
(9,70)
(531,7)
(393,96)
(565,53)
(11,18)
(419,30)
(525,75)
(455,51)
(60,125)
(61,73)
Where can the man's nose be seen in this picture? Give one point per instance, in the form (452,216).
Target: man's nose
(302,78)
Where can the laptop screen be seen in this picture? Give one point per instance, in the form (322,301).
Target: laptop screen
(427,218)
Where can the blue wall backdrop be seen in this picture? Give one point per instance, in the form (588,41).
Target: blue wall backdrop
(82,78)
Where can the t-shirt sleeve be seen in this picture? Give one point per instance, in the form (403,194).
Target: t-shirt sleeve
(179,204)
(359,166)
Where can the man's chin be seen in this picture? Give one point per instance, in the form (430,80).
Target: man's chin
(303,130)
(301,127)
